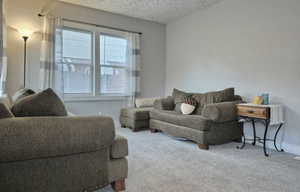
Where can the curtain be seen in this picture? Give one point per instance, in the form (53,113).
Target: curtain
(3,57)
(134,60)
(51,65)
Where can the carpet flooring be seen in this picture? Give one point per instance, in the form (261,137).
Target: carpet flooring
(159,163)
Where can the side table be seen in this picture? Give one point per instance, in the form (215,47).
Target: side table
(268,115)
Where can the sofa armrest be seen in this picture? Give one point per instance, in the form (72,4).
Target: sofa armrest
(44,137)
(119,148)
(165,104)
(221,112)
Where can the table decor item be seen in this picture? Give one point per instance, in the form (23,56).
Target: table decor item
(258,100)
(265,97)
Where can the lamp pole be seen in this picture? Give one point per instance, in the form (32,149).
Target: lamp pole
(25,57)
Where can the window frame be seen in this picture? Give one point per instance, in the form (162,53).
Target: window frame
(96,65)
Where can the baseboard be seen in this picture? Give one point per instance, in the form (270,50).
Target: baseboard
(291,148)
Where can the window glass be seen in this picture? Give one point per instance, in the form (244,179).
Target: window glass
(113,50)
(77,58)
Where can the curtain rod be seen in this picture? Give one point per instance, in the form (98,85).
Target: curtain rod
(93,24)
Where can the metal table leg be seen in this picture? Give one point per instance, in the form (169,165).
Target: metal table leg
(254,132)
(244,138)
(265,137)
(275,138)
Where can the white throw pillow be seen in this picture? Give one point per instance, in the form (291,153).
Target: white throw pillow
(187,109)
(145,102)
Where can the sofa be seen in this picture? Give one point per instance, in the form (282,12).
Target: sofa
(63,154)
(213,122)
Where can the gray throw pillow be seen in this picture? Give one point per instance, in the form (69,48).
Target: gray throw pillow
(21,94)
(5,112)
(45,103)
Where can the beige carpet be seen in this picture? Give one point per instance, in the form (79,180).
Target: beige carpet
(159,163)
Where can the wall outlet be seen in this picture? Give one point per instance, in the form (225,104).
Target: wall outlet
(297,158)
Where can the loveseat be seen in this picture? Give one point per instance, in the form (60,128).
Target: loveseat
(213,122)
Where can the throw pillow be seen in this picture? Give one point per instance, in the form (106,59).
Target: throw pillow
(45,103)
(21,94)
(5,112)
(178,97)
(188,106)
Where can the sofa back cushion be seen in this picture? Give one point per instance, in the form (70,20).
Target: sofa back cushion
(179,97)
(213,97)
(45,103)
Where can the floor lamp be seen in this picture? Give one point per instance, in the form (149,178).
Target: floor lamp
(25,38)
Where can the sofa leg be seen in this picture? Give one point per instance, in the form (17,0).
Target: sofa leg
(203,146)
(153,130)
(118,185)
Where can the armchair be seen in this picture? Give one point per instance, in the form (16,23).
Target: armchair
(61,154)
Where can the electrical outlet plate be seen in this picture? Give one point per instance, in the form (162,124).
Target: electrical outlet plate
(297,158)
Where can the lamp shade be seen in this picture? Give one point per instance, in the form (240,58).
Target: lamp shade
(25,32)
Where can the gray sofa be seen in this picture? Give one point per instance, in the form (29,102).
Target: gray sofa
(214,121)
(64,154)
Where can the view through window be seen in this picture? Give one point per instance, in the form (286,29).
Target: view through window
(95,63)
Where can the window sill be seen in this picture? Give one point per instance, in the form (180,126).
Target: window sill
(92,99)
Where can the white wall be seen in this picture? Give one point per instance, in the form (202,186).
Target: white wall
(153,51)
(252,45)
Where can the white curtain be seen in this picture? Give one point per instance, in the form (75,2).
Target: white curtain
(134,60)
(51,66)
(3,57)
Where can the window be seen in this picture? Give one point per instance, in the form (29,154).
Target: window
(113,62)
(95,61)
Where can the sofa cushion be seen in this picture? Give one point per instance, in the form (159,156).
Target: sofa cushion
(136,113)
(5,111)
(213,97)
(45,103)
(21,94)
(164,104)
(119,148)
(192,121)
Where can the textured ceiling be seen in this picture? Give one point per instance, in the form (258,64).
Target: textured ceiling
(162,11)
